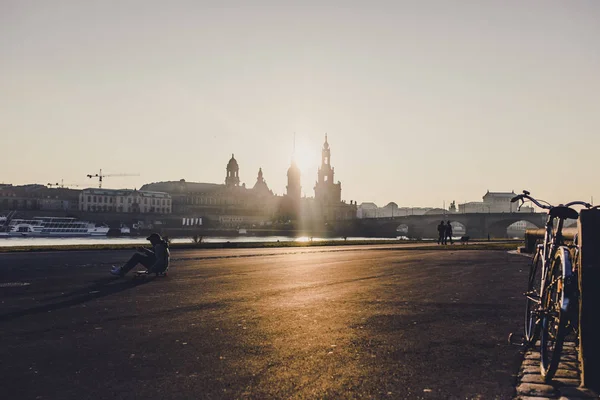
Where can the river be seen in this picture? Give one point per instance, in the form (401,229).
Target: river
(46,241)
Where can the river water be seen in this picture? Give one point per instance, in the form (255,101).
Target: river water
(23,242)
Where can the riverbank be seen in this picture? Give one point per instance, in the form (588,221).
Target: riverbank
(407,245)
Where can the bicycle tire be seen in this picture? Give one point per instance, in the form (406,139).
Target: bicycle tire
(554,327)
(533,298)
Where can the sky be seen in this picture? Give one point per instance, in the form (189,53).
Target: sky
(423,101)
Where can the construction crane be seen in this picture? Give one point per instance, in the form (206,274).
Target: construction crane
(62,185)
(100,175)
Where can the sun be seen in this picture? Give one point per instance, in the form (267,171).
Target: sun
(305,157)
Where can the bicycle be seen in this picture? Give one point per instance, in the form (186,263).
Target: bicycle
(551,309)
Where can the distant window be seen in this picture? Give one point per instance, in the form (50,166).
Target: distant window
(145,201)
(94,199)
(89,199)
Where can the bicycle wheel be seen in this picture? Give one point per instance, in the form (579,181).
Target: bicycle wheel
(532,316)
(554,327)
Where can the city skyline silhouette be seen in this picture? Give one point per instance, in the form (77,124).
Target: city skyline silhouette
(424,102)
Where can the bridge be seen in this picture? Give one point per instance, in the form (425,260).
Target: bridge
(477,225)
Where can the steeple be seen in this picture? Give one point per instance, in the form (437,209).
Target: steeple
(261,184)
(294,189)
(326,171)
(326,190)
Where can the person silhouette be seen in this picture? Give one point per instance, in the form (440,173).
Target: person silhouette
(156,260)
(441,232)
(448,234)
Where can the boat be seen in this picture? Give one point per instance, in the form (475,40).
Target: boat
(54,227)
(3,226)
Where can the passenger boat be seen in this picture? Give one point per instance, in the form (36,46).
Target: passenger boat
(54,227)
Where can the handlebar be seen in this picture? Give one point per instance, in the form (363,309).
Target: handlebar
(526,195)
(579,203)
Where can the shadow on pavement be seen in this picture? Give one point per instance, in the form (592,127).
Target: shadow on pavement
(100,288)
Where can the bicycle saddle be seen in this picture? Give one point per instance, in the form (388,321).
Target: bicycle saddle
(563,212)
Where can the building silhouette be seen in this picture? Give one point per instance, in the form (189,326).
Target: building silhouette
(293,188)
(326,191)
(233,173)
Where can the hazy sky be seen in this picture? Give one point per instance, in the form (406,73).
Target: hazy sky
(423,101)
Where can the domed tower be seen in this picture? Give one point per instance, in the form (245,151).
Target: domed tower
(293,187)
(261,185)
(233,170)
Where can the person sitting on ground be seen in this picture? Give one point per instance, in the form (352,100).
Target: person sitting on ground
(155,260)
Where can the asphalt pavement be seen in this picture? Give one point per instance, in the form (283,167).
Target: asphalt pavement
(299,323)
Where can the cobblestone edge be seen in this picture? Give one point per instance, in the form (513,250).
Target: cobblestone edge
(565,385)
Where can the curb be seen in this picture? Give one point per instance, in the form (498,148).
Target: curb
(565,385)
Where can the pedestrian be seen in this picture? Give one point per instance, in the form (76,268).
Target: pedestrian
(156,260)
(441,232)
(448,234)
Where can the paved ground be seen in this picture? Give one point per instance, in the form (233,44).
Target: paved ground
(275,323)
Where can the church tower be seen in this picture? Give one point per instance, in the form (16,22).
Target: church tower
(326,191)
(293,187)
(233,170)
(261,185)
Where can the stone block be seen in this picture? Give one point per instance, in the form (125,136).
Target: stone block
(535,389)
(534,398)
(565,373)
(531,370)
(566,382)
(533,378)
(531,363)
(570,365)
(577,392)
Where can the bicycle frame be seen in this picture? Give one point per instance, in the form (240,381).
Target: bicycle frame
(553,240)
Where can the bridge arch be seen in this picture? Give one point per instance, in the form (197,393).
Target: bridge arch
(517,229)
(402,229)
(458,228)
(505,228)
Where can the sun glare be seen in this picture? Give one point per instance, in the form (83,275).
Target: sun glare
(306,158)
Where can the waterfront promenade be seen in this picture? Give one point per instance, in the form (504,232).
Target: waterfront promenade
(335,322)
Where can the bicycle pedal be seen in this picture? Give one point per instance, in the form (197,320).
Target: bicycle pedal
(516,339)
